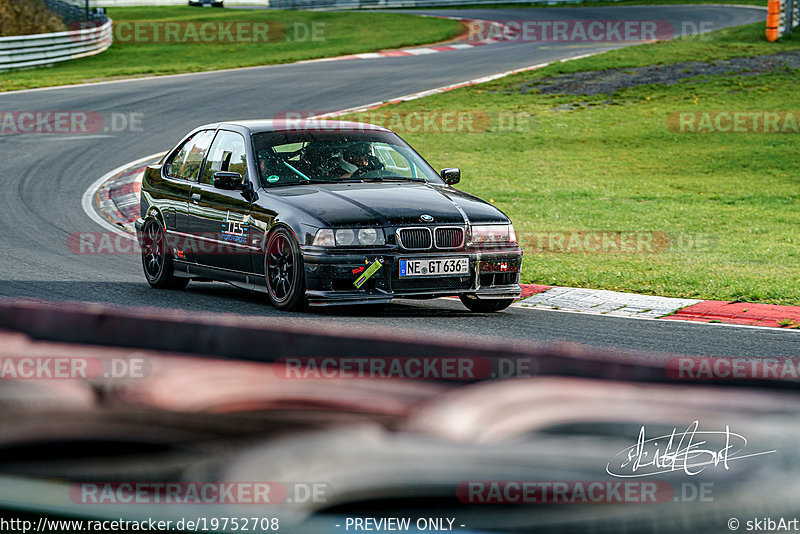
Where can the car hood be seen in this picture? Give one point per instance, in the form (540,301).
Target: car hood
(387,204)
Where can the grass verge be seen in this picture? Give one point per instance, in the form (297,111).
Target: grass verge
(599,3)
(571,165)
(291,36)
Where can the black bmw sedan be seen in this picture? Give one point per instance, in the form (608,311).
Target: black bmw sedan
(320,213)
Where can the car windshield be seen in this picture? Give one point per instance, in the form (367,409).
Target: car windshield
(291,157)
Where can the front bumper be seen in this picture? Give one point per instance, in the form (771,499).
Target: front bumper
(330,276)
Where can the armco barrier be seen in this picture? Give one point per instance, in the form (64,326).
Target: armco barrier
(24,51)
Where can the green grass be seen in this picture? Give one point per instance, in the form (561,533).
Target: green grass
(598,3)
(340,33)
(614,165)
(740,41)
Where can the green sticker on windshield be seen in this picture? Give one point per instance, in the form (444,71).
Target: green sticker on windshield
(273,178)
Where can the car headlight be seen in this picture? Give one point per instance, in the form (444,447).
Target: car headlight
(347,237)
(493,234)
(370,236)
(324,238)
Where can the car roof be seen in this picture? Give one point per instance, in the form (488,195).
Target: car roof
(299,124)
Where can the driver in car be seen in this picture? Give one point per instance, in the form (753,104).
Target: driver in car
(353,159)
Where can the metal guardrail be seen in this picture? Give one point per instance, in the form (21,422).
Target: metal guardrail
(792,16)
(24,51)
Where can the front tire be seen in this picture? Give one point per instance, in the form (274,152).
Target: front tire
(477,305)
(157,258)
(283,267)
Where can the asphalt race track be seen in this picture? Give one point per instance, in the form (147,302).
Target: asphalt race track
(44,177)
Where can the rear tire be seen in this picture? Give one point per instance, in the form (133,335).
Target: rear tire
(284,270)
(486,305)
(159,269)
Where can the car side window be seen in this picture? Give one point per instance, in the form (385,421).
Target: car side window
(185,164)
(227,154)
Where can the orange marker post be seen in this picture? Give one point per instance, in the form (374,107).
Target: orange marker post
(773,19)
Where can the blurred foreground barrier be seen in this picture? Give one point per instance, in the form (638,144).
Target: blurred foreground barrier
(274,339)
(23,51)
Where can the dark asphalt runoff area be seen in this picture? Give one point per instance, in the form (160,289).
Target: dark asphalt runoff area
(45,176)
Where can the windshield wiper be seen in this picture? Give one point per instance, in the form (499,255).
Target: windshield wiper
(394,179)
(311,181)
(338,180)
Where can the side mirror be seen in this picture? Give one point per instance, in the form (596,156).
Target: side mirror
(229,181)
(451,176)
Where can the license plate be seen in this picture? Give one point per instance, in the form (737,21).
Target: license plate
(434,267)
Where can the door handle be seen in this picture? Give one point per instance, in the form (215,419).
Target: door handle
(195,197)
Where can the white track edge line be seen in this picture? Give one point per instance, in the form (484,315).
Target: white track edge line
(87,199)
